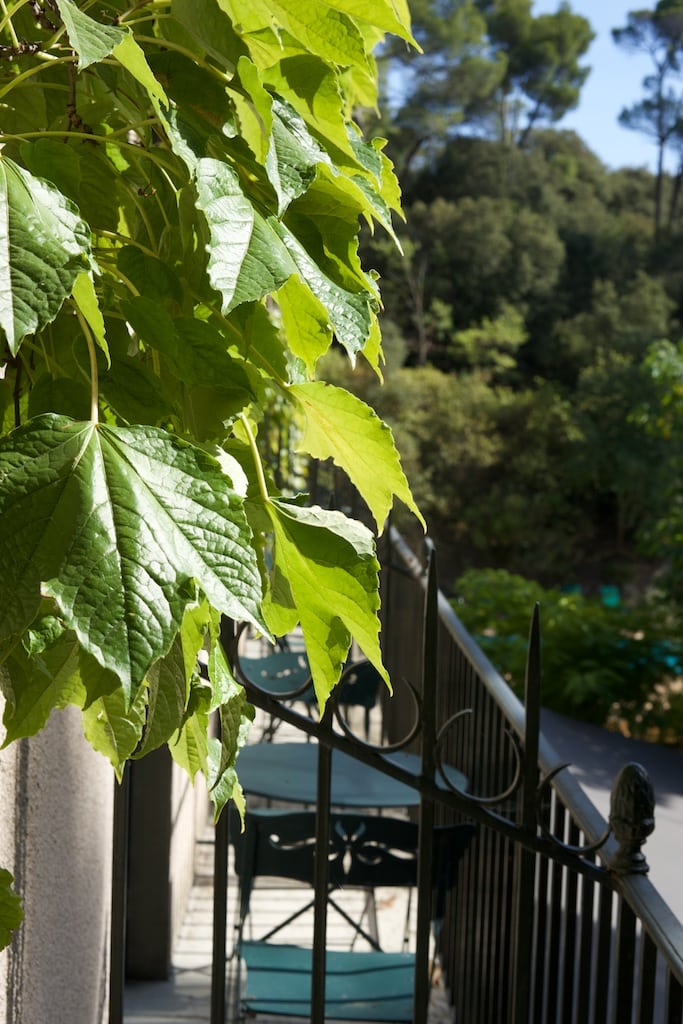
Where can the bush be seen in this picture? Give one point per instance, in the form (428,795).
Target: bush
(600,663)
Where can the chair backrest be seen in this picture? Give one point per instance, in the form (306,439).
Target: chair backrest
(367,850)
(279,673)
(359,685)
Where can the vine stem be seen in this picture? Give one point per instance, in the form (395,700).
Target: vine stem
(8,21)
(260,475)
(94,375)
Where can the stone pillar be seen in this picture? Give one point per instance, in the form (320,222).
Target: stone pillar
(56,810)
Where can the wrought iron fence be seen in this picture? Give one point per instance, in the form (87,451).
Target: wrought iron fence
(553,919)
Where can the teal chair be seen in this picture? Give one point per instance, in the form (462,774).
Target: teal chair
(283,673)
(365,851)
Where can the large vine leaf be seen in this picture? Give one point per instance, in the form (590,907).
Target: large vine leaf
(44,246)
(326,575)
(11,913)
(119,526)
(340,426)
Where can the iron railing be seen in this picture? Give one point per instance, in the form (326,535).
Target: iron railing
(554,920)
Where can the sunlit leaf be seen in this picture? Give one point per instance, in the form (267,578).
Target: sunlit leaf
(119,526)
(85,298)
(340,426)
(44,246)
(331,571)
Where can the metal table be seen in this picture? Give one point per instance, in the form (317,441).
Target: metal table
(288,772)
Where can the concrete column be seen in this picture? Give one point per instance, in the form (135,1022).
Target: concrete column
(56,807)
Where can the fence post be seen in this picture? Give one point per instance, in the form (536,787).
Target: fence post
(525,861)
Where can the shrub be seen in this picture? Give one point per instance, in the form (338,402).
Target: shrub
(600,663)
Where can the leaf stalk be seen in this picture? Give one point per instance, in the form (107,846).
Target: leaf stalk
(94,373)
(260,475)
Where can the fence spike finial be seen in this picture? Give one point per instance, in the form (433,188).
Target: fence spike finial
(632,818)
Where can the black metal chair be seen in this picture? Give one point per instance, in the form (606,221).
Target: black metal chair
(365,851)
(284,672)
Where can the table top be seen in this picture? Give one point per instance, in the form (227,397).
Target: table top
(288,772)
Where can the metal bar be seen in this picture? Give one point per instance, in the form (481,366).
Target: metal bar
(541,933)
(555,929)
(526,862)
(674,1001)
(604,956)
(219,926)
(321,882)
(426,815)
(571,901)
(119,891)
(585,951)
(646,976)
(626,952)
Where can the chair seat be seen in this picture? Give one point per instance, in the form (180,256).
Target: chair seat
(279,982)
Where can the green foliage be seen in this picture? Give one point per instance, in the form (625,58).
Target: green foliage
(598,662)
(10,909)
(181,192)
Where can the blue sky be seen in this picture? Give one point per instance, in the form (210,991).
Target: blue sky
(614,82)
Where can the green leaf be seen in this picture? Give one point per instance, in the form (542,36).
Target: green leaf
(388,15)
(91,40)
(44,245)
(246,258)
(211,28)
(338,425)
(189,746)
(236,716)
(254,111)
(306,322)
(119,525)
(113,728)
(11,913)
(312,88)
(322,30)
(85,298)
(293,155)
(351,313)
(94,41)
(129,53)
(331,573)
(40,678)
(170,681)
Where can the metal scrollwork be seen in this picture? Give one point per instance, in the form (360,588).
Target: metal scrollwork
(384,747)
(580,851)
(484,801)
